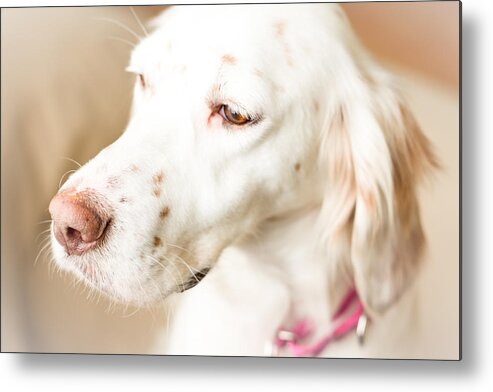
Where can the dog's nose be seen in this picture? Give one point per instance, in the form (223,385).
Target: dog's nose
(78,223)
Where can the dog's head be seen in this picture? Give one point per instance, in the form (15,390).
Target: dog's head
(242,113)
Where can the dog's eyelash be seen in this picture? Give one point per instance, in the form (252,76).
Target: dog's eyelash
(235,116)
(142,80)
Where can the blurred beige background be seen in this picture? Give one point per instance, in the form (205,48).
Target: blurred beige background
(65,94)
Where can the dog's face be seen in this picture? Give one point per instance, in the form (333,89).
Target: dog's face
(243,113)
(221,137)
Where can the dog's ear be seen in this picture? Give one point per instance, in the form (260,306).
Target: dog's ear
(375,154)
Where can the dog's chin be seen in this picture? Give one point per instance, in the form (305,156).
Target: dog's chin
(140,298)
(134,297)
(135,294)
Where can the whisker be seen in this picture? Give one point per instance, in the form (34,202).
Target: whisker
(187,264)
(63,176)
(178,271)
(170,307)
(152,309)
(46,245)
(40,234)
(157,261)
(72,160)
(121,40)
(51,269)
(165,269)
(189,268)
(175,281)
(51,263)
(131,314)
(160,292)
(139,21)
(140,285)
(178,247)
(124,27)
(111,307)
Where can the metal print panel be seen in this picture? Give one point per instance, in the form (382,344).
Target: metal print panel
(232,180)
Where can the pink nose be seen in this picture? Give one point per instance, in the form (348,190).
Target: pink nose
(78,223)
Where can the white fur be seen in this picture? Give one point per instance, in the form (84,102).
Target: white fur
(287,212)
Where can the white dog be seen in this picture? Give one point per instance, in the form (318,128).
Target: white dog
(266,147)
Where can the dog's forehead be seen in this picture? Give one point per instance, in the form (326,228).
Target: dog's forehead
(252,32)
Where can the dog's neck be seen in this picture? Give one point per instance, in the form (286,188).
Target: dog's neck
(268,280)
(291,244)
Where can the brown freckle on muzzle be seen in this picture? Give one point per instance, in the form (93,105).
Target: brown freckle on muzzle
(297,166)
(123,199)
(229,59)
(158,178)
(157,241)
(164,212)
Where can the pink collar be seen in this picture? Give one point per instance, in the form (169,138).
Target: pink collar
(291,338)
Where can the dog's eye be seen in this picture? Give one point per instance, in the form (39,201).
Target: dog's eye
(233,116)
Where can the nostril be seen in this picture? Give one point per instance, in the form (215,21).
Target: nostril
(72,234)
